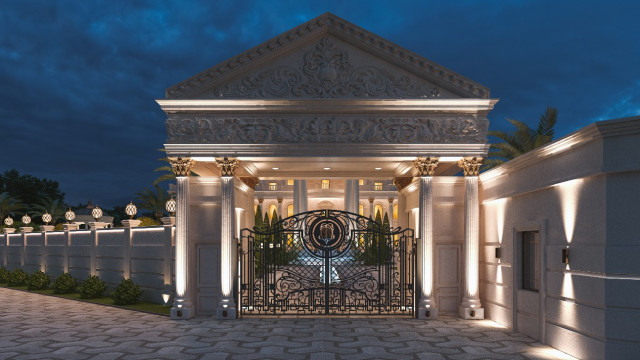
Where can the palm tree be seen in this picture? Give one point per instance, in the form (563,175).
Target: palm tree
(154,200)
(168,175)
(522,140)
(9,205)
(54,207)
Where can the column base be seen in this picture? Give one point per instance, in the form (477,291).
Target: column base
(427,313)
(471,313)
(226,314)
(182,313)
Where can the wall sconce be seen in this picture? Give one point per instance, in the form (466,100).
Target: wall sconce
(46,218)
(26,219)
(565,256)
(170,206)
(131,210)
(70,215)
(96,213)
(498,252)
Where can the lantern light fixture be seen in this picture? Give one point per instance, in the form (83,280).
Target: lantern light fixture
(70,215)
(170,206)
(8,221)
(131,210)
(46,218)
(26,219)
(498,252)
(96,213)
(565,256)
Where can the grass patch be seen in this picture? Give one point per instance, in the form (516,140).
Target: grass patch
(104,300)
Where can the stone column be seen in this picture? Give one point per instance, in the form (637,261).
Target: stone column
(427,306)
(300,196)
(351,196)
(280,208)
(390,212)
(182,305)
(226,305)
(471,308)
(371,214)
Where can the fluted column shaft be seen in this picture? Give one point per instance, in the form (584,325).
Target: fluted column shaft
(226,305)
(351,196)
(299,196)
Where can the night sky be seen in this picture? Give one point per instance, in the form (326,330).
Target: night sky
(78,79)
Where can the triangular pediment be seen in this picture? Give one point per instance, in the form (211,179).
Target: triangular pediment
(327,57)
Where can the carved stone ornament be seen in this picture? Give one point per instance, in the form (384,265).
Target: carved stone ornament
(470,166)
(292,129)
(326,72)
(402,182)
(426,166)
(250,181)
(182,167)
(227,167)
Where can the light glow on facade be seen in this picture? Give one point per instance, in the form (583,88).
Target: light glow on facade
(569,193)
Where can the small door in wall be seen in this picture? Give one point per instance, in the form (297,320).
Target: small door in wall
(448,278)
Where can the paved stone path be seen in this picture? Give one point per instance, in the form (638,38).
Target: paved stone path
(43,327)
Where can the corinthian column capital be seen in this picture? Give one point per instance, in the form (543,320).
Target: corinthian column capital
(470,166)
(227,167)
(182,167)
(426,166)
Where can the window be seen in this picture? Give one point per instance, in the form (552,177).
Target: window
(395,211)
(290,210)
(273,186)
(273,209)
(255,209)
(290,182)
(361,210)
(377,186)
(360,182)
(378,210)
(325,184)
(531,260)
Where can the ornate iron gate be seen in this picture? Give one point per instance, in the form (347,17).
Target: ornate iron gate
(327,262)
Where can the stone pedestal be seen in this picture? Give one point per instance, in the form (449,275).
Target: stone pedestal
(180,313)
(8,230)
(169,220)
(26,229)
(131,223)
(47,227)
(70,226)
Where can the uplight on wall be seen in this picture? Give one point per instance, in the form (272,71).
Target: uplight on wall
(565,256)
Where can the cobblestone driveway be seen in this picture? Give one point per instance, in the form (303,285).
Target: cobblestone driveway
(43,327)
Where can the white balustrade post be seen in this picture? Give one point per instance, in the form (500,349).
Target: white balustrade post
(182,305)
(427,308)
(226,305)
(94,244)
(471,308)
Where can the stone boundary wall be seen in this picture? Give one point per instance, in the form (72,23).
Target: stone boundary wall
(144,254)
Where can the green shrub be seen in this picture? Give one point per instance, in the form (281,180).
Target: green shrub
(17,278)
(148,221)
(4,274)
(127,293)
(92,288)
(64,284)
(38,281)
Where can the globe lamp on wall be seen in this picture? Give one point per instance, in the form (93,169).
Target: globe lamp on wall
(70,215)
(131,210)
(170,206)
(96,213)
(26,219)
(46,218)
(8,221)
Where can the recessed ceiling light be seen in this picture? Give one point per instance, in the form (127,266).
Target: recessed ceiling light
(327,168)
(378,168)
(275,168)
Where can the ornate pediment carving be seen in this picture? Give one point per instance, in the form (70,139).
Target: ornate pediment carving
(326,71)
(291,129)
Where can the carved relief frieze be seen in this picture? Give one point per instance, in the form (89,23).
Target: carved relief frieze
(292,129)
(326,72)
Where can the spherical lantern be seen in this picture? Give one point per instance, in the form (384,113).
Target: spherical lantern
(96,213)
(26,219)
(70,215)
(170,206)
(46,218)
(8,221)
(131,210)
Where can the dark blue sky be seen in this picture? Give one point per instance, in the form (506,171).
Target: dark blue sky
(78,79)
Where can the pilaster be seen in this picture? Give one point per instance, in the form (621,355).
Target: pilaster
(226,305)
(471,307)
(427,308)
